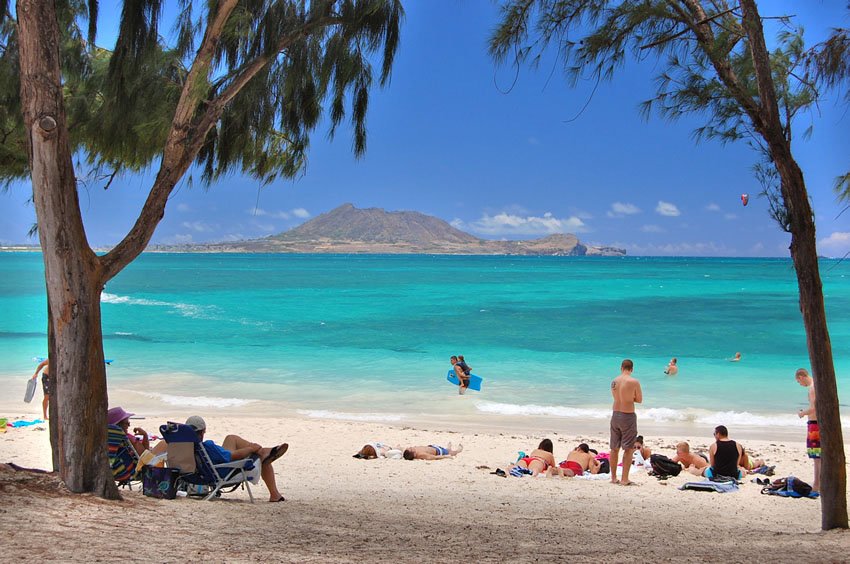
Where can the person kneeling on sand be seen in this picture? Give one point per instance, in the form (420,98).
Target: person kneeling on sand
(577,462)
(540,460)
(235,447)
(693,463)
(431,452)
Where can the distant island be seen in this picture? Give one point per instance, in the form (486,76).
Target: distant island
(348,229)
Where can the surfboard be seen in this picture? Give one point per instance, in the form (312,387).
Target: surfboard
(474,381)
(28,395)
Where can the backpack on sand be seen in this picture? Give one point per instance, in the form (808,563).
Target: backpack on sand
(663,466)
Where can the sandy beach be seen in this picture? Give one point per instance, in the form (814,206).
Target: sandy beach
(341,509)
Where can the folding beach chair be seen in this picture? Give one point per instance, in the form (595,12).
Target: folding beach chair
(187,453)
(122,456)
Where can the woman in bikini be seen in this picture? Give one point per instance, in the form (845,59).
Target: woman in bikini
(540,459)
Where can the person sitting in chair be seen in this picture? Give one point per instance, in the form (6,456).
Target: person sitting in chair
(235,447)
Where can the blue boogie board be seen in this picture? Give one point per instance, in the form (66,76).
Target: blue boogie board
(474,381)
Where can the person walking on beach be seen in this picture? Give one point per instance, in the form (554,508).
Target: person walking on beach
(44,368)
(462,377)
(626,392)
(813,430)
(235,447)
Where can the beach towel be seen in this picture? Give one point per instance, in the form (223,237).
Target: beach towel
(709,486)
(23,423)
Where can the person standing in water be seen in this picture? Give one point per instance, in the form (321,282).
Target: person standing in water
(462,377)
(626,393)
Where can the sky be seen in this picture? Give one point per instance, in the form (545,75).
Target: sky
(506,155)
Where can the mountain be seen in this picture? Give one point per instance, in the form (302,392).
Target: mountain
(347,229)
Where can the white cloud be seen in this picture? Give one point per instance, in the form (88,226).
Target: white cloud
(199,226)
(184,208)
(301,213)
(837,244)
(260,212)
(510,224)
(652,229)
(619,209)
(730,216)
(712,207)
(667,209)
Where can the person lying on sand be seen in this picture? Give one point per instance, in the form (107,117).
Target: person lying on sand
(235,447)
(748,463)
(431,452)
(641,448)
(577,462)
(693,463)
(540,459)
(374,450)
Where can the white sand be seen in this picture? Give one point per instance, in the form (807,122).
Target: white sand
(343,509)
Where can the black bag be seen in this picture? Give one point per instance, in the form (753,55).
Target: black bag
(160,483)
(799,486)
(663,466)
(604,466)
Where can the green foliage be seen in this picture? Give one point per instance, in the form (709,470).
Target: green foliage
(278,67)
(688,82)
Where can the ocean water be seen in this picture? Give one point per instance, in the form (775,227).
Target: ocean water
(369,337)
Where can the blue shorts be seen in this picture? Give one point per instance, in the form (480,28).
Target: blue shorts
(709,473)
(441,451)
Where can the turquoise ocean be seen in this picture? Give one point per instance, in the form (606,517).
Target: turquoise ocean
(368,337)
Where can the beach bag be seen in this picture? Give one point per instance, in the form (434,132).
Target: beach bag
(160,483)
(604,466)
(789,487)
(663,466)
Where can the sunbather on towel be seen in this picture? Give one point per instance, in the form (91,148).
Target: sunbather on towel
(540,459)
(693,463)
(577,462)
(375,450)
(235,447)
(431,452)
(748,463)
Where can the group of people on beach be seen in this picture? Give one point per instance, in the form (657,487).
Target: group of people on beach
(233,447)
(725,457)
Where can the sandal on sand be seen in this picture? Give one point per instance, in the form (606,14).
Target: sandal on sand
(276,453)
(500,472)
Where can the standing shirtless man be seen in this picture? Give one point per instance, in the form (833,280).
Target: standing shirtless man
(626,392)
(813,431)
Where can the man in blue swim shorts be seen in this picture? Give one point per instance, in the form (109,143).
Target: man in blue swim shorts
(431,452)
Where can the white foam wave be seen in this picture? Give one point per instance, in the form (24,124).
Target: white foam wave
(199,401)
(124,333)
(655,414)
(189,310)
(324,414)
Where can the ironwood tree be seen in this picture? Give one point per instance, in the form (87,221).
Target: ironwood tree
(243,87)
(715,63)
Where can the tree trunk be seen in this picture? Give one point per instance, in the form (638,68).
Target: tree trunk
(804,253)
(805,257)
(72,270)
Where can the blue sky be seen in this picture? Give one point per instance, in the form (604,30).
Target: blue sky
(448,139)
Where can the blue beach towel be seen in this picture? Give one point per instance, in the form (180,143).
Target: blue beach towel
(23,423)
(519,472)
(709,486)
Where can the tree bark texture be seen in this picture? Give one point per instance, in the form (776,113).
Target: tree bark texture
(804,254)
(72,270)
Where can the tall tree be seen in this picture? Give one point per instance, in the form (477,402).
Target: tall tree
(716,63)
(246,99)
